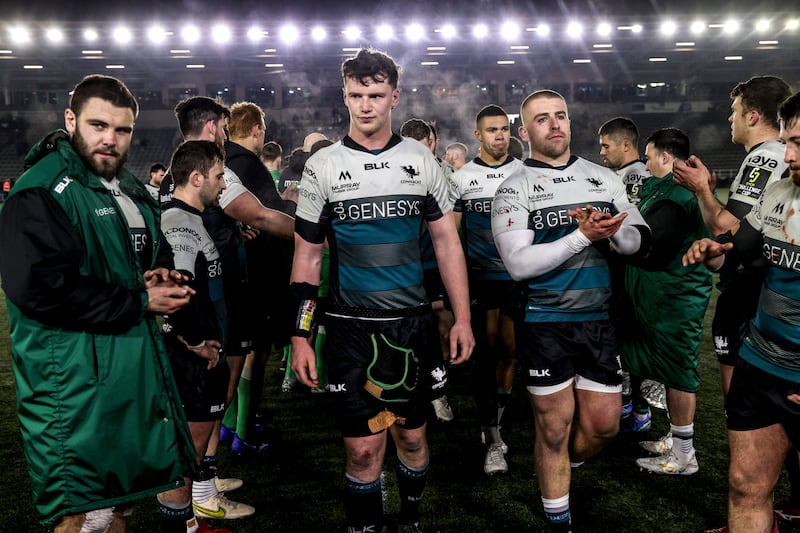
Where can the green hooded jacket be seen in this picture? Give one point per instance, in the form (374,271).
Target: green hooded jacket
(100,415)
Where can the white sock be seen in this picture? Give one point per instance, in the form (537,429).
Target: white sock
(202,491)
(682,441)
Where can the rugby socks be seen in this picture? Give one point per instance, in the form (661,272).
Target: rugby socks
(411,485)
(363,505)
(557,512)
(243,397)
(203,485)
(682,441)
(176,517)
(503,400)
(231,412)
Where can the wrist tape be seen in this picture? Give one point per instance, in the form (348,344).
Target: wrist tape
(304,299)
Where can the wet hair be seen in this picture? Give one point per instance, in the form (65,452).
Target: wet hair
(194,112)
(244,115)
(672,141)
(271,151)
(371,65)
(191,156)
(156,167)
(106,88)
(763,94)
(620,126)
(490,110)
(416,128)
(542,93)
(789,110)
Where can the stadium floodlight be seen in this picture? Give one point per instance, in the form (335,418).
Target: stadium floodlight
(509,30)
(190,33)
(574,29)
(122,34)
(762,25)
(384,32)
(731,26)
(636,28)
(156,34)
(604,29)
(90,34)
(289,33)
(221,33)
(19,34)
(318,33)
(792,24)
(415,32)
(543,30)
(54,35)
(448,31)
(698,26)
(254,34)
(480,31)
(668,27)
(351,33)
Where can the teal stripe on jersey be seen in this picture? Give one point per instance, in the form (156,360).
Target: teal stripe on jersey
(586,278)
(398,230)
(773,328)
(384,278)
(782,280)
(554,314)
(780,307)
(756,358)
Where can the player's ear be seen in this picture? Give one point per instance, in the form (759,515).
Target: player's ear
(395,97)
(523,134)
(70,120)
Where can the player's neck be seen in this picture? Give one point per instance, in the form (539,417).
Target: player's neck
(374,141)
(184,195)
(491,161)
(558,161)
(760,136)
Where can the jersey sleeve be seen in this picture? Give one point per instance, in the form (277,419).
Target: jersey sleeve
(312,200)
(233,188)
(510,208)
(439,188)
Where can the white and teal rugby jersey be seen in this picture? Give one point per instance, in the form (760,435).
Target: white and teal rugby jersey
(371,208)
(472,188)
(538,200)
(196,255)
(762,165)
(774,341)
(632,176)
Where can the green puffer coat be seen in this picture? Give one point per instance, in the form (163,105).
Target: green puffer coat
(663,326)
(100,416)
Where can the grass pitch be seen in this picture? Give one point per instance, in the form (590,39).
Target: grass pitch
(299,485)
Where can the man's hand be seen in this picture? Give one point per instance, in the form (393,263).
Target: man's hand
(209,350)
(249,233)
(707,251)
(166,300)
(166,292)
(304,362)
(694,175)
(163,276)
(462,342)
(595,224)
